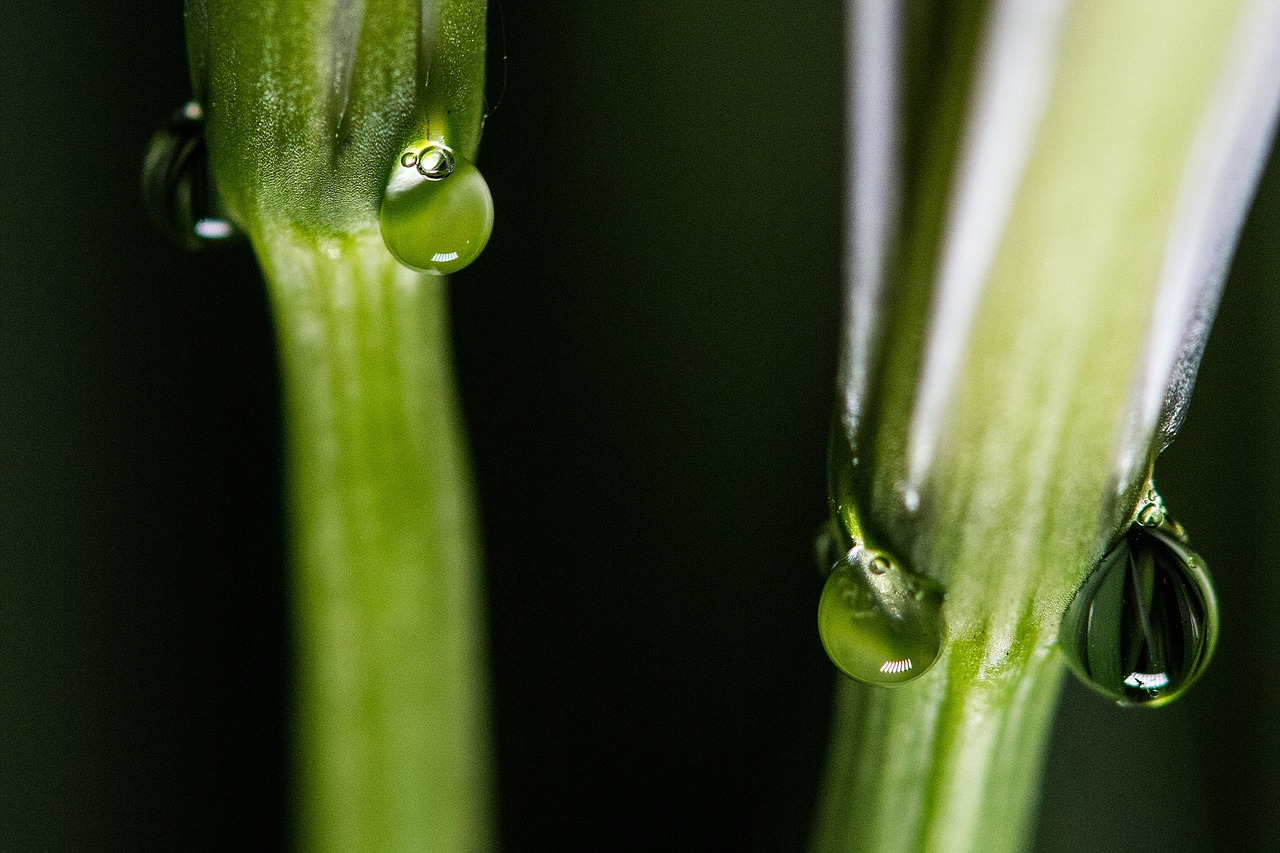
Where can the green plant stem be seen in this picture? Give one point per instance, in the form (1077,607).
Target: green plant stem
(934,768)
(392,740)
(1023,488)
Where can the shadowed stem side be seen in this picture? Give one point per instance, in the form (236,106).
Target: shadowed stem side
(392,739)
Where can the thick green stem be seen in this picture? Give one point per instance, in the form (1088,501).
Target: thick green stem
(391,726)
(1013,335)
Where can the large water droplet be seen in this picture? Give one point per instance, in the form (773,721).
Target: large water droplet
(879,623)
(437,212)
(176,186)
(1143,626)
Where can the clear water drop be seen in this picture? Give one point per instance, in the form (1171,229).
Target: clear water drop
(176,185)
(1144,625)
(437,212)
(879,623)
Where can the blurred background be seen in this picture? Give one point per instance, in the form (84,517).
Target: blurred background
(646,354)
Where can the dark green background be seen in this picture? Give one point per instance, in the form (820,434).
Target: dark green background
(646,352)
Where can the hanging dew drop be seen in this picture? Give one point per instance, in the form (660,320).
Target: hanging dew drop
(879,623)
(437,212)
(177,188)
(1144,625)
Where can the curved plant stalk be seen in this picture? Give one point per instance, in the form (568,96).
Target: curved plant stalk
(308,104)
(1043,198)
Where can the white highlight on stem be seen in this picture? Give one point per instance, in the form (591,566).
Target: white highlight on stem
(874,29)
(1015,67)
(1223,165)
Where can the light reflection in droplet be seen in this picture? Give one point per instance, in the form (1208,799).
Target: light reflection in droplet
(893,667)
(214,229)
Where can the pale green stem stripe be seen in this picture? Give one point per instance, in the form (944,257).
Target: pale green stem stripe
(392,740)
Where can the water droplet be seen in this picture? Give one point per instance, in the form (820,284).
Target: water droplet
(879,623)
(1143,626)
(176,185)
(437,212)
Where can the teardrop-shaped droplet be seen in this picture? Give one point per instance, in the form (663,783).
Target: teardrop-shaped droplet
(880,624)
(1143,626)
(176,185)
(437,212)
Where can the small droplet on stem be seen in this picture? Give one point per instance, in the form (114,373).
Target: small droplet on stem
(177,187)
(437,212)
(879,623)
(1151,511)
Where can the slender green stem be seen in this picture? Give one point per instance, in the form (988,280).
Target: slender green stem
(392,730)
(309,105)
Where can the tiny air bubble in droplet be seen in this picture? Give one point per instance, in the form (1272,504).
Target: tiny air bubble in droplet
(1151,511)
(435,163)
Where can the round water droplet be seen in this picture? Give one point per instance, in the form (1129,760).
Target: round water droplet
(879,623)
(437,212)
(1143,626)
(176,185)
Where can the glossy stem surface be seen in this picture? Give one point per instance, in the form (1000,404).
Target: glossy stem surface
(1027,313)
(392,737)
